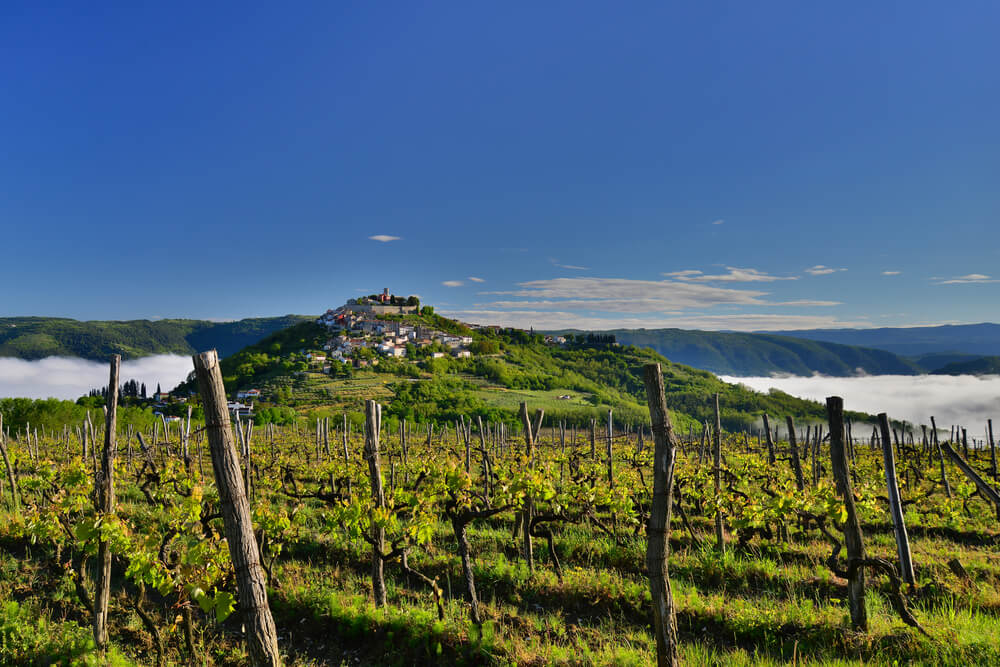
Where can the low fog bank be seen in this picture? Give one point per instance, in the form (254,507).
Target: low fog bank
(964,400)
(70,377)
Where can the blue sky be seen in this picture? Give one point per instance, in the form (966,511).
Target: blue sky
(547,164)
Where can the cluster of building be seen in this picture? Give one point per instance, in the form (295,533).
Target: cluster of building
(359,326)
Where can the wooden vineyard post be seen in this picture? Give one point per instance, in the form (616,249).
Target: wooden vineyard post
(704,440)
(467,437)
(852,527)
(406,451)
(593,439)
(373,423)
(347,459)
(988,491)
(611,467)
(104,488)
(486,456)
(10,471)
(800,482)
(262,638)
(989,434)
(944,473)
(720,538)
(895,504)
(770,442)
(658,528)
(529,442)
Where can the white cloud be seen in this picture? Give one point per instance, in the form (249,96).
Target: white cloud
(476,280)
(965,400)
(718,222)
(891,273)
(452,283)
(808,303)
(571,267)
(735,275)
(597,293)
(384,238)
(555,319)
(70,378)
(966,279)
(820,270)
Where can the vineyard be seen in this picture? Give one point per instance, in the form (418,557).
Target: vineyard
(493,542)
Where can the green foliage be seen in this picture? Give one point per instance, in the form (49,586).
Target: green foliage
(485,347)
(274,415)
(52,413)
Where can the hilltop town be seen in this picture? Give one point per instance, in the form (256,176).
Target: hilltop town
(376,323)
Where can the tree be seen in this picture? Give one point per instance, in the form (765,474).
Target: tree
(413,301)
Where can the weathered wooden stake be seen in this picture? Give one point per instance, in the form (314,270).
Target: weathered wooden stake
(373,424)
(529,442)
(10,471)
(611,467)
(852,527)
(658,528)
(262,638)
(944,473)
(720,538)
(770,442)
(104,488)
(984,487)
(800,482)
(895,504)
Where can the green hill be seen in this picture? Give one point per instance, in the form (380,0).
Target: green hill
(977,366)
(38,337)
(748,354)
(571,383)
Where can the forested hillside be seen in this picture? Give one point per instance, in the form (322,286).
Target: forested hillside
(747,354)
(573,383)
(977,366)
(38,337)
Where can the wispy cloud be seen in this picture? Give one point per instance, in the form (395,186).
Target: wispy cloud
(626,295)
(891,273)
(820,270)
(808,303)
(718,222)
(622,295)
(554,319)
(476,280)
(571,267)
(385,238)
(970,278)
(734,275)
(452,283)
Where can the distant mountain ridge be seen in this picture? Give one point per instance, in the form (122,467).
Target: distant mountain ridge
(39,337)
(747,354)
(981,339)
